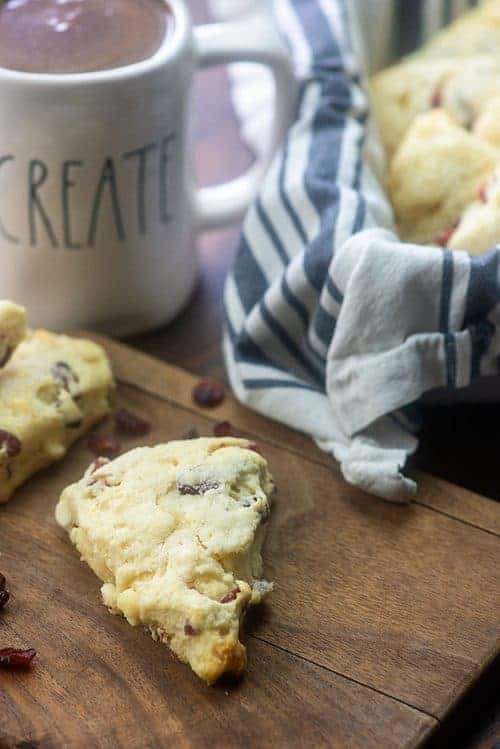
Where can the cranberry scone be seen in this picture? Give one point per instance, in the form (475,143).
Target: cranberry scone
(12,329)
(53,389)
(438,170)
(478,228)
(419,84)
(458,70)
(399,93)
(175,534)
(475,32)
(487,124)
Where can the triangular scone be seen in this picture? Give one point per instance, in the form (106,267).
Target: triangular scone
(458,70)
(175,533)
(399,93)
(479,227)
(420,84)
(52,391)
(487,125)
(12,329)
(438,170)
(475,32)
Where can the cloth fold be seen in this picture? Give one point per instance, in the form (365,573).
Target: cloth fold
(333,325)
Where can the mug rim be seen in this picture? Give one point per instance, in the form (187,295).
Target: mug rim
(168,49)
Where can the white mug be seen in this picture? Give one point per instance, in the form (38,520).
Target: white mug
(98,210)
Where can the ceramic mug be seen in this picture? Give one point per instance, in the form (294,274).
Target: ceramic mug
(98,209)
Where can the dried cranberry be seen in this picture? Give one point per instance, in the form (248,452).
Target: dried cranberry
(189,629)
(483,194)
(231,596)
(130,423)
(191,434)
(10,443)
(224,429)
(15,658)
(437,97)
(64,375)
(445,235)
(6,356)
(209,393)
(202,488)
(102,445)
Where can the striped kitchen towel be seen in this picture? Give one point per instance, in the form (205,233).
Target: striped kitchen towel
(334,326)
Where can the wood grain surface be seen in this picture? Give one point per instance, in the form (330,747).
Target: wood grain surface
(163,379)
(100,682)
(380,621)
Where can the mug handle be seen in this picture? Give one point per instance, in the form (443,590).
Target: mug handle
(254,40)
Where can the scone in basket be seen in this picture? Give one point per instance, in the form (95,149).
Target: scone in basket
(367,277)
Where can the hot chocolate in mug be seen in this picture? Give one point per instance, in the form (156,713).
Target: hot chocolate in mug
(98,207)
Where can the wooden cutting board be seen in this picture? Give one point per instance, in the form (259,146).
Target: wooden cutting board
(382,618)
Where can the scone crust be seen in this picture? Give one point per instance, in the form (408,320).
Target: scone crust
(175,534)
(53,389)
(12,329)
(436,173)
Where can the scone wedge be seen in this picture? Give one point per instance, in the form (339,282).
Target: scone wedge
(420,84)
(438,170)
(175,534)
(12,329)
(53,389)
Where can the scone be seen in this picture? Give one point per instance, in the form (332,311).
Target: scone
(475,32)
(458,70)
(175,534)
(436,173)
(438,113)
(12,329)
(420,84)
(487,124)
(399,93)
(52,390)
(478,229)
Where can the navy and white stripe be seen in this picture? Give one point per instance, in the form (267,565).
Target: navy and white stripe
(333,326)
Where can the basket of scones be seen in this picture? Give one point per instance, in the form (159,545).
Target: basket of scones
(438,115)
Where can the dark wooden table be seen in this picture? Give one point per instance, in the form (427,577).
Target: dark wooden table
(459,444)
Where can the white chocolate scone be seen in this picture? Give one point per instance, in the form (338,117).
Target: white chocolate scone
(12,329)
(53,389)
(175,533)
(437,171)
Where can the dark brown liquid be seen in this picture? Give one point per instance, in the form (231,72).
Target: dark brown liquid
(77,36)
